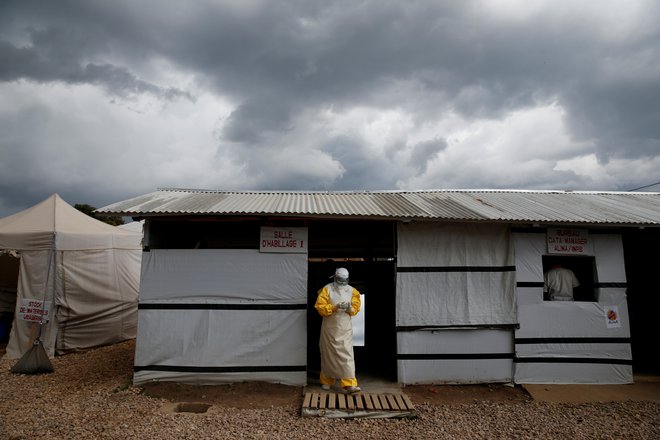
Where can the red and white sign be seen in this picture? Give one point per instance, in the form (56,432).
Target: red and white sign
(569,242)
(612,316)
(34,310)
(283,240)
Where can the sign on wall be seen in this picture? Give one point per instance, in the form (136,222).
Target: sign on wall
(612,316)
(283,240)
(33,310)
(569,241)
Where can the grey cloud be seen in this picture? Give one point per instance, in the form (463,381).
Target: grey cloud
(363,170)
(256,119)
(284,56)
(119,81)
(423,152)
(623,117)
(280,60)
(57,55)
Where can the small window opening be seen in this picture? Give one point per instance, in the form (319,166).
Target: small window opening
(569,278)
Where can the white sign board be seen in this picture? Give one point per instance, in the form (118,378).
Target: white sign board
(33,310)
(283,240)
(569,242)
(358,325)
(612,316)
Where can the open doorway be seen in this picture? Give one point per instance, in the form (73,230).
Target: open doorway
(367,250)
(642,262)
(9,266)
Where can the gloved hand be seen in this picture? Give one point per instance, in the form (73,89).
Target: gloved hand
(343,306)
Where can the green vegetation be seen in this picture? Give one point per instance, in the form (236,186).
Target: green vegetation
(89,210)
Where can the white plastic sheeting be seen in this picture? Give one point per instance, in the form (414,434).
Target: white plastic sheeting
(455,275)
(226,276)
(212,316)
(572,342)
(455,356)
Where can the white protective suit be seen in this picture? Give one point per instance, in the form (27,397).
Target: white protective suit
(337,303)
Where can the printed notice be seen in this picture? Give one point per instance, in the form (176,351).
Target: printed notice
(34,310)
(569,242)
(612,316)
(283,240)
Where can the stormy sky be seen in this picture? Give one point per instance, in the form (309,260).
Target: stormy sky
(102,101)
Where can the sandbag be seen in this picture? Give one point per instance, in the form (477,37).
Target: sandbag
(34,361)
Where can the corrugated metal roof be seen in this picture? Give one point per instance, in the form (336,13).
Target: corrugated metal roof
(608,208)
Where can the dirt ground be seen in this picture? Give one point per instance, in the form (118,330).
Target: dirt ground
(238,395)
(266,395)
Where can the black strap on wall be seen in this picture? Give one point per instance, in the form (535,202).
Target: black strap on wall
(233,369)
(194,306)
(573,340)
(414,328)
(454,356)
(597,285)
(564,360)
(424,269)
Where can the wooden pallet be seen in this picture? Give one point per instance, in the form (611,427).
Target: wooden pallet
(339,405)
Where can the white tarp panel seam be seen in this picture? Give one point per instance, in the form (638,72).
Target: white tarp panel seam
(445,356)
(571,360)
(221,369)
(225,306)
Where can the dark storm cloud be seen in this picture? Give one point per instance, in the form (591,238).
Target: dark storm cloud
(63,54)
(256,119)
(27,64)
(362,169)
(623,116)
(423,152)
(281,56)
(463,61)
(285,65)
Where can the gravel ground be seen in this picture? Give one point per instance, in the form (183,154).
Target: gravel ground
(89,397)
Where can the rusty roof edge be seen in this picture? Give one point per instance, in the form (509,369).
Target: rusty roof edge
(405,191)
(541,222)
(358,205)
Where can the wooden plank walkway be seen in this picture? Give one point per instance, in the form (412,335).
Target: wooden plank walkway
(366,405)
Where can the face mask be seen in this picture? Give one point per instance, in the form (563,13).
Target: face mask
(341,281)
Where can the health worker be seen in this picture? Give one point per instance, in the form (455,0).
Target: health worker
(337,302)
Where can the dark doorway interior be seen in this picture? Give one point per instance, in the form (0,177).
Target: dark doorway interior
(367,250)
(9,267)
(642,263)
(584,268)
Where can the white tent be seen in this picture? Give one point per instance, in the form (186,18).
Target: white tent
(80,274)
(133,226)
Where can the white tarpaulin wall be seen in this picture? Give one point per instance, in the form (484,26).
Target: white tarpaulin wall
(572,342)
(92,288)
(454,303)
(215,316)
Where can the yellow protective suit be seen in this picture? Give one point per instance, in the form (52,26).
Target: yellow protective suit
(336,342)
